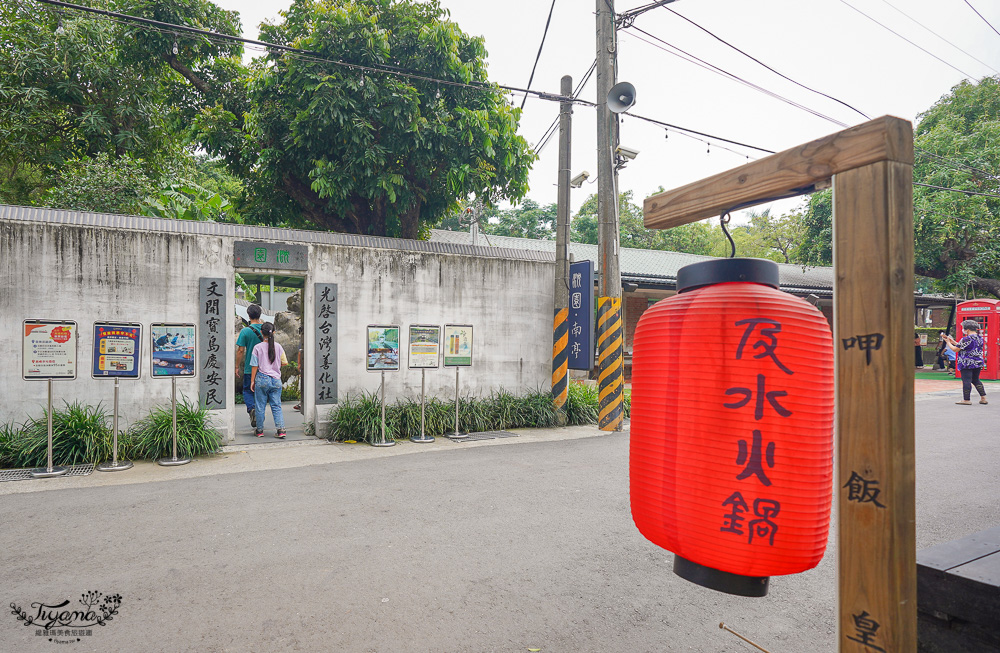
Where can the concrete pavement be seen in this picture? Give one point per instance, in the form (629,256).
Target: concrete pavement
(504,545)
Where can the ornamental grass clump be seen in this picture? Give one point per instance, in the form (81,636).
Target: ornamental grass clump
(359,418)
(80,434)
(9,434)
(152,436)
(581,404)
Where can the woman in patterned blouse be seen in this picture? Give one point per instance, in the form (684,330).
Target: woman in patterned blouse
(970,360)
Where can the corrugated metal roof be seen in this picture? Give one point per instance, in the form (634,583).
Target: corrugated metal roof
(253,232)
(646,265)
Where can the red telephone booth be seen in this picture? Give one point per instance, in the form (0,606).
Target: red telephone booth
(987,313)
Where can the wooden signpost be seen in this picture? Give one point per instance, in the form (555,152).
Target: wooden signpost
(871,167)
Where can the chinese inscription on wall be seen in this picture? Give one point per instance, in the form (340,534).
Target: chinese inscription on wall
(326,343)
(213,320)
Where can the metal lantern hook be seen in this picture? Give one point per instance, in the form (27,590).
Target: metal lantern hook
(723,221)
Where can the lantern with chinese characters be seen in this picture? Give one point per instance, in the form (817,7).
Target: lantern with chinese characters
(731,451)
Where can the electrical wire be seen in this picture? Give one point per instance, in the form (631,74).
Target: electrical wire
(755,59)
(540,46)
(956,190)
(981,16)
(908,40)
(543,141)
(968,54)
(690,58)
(962,166)
(685,129)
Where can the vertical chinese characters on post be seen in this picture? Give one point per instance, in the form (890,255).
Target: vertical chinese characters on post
(213,329)
(326,343)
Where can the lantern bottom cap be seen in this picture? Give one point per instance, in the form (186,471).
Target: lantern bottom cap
(720,581)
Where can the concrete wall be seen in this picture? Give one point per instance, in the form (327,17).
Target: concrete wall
(59,271)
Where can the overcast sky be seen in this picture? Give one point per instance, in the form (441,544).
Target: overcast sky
(823,44)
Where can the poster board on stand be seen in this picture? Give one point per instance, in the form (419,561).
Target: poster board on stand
(172,350)
(424,346)
(48,350)
(117,350)
(458,345)
(382,348)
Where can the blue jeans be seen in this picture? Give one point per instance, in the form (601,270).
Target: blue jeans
(267,391)
(249,397)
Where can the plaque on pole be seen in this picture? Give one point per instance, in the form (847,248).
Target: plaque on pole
(117,355)
(48,352)
(424,352)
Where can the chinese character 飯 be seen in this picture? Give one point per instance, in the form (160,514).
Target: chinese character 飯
(862,490)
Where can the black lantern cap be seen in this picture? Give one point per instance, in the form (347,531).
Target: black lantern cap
(706,273)
(720,581)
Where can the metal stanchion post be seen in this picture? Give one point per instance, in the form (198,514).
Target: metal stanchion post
(169,462)
(114,465)
(457,435)
(50,470)
(383,442)
(423,437)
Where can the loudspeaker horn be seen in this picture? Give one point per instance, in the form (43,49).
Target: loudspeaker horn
(621,97)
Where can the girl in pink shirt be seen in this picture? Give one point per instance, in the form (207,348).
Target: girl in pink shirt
(265,380)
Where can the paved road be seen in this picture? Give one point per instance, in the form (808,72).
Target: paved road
(455,548)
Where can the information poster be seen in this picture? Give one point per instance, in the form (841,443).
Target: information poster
(457,345)
(173,348)
(48,350)
(425,346)
(116,350)
(383,348)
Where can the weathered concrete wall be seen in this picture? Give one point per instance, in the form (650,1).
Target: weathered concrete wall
(58,271)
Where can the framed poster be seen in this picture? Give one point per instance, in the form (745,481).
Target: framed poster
(116,350)
(382,348)
(172,347)
(424,346)
(48,350)
(457,345)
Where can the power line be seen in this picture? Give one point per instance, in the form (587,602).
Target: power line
(713,68)
(544,140)
(540,46)
(383,68)
(908,40)
(956,190)
(981,16)
(968,54)
(685,129)
(752,58)
(961,166)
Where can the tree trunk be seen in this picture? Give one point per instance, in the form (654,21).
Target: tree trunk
(312,208)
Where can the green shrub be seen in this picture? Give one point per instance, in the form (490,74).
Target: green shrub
(627,402)
(152,436)
(581,404)
(80,434)
(9,435)
(359,418)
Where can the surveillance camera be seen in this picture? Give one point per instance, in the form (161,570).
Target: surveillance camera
(626,152)
(578,180)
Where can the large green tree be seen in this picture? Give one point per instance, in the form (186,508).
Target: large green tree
(68,93)
(956,234)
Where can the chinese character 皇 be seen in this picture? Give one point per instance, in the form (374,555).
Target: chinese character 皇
(862,490)
(734,520)
(866,628)
(260,254)
(212,307)
(770,332)
(764,527)
(771,397)
(754,459)
(213,290)
(577,280)
(576,300)
(867,343)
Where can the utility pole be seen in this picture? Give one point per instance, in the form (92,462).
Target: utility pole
(560,323)
(610,337)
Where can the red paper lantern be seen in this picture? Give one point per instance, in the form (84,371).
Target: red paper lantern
(731,454)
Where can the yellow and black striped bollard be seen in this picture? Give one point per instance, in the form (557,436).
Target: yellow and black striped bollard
(560,358)
(609,362)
